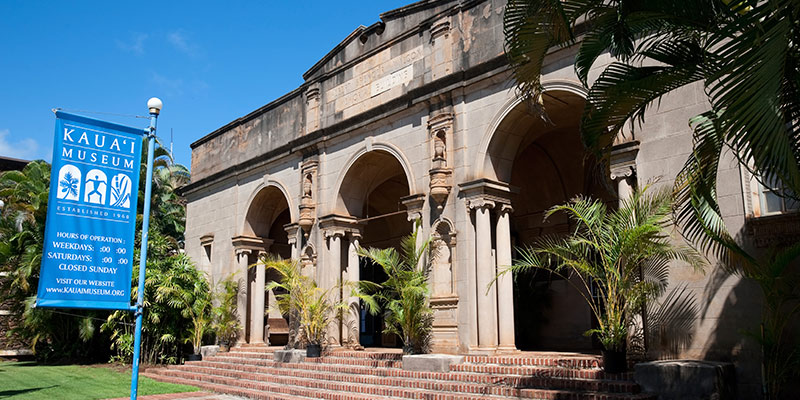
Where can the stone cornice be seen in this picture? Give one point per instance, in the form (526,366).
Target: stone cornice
(486,193)
(338,225)
(448,83)
(251,243)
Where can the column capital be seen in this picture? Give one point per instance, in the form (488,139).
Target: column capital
(251,243)
(622,160)
(242,252)
(413,204)
(291,232)
(338,225)
(480,202)
(504,208)
(355,235)
(486,193)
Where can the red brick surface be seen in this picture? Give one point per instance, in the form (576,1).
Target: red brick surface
(251,372)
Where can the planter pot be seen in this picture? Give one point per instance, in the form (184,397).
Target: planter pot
(194,357)
(614,361)
(313,350)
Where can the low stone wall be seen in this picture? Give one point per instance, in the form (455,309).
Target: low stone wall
(687,379)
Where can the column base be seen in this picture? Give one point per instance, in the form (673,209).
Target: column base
(507,348)
(482,350)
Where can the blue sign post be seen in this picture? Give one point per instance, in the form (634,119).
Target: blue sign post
(91,218)
(154,105)
(91,215)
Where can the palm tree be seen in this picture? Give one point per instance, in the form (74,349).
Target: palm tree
(744,53)
(405,293)
(313,307)
(616,260)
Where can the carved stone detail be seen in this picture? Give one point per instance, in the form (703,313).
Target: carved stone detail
(440,27)
(313,109)
(440,127)
(307,202)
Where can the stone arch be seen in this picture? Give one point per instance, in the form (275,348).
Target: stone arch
(269,187)
(545,163)
(364,172)
(491,164)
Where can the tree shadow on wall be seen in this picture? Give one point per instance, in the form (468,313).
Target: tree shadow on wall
(670,322)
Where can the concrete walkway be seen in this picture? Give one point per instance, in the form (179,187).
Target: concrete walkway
(185,396)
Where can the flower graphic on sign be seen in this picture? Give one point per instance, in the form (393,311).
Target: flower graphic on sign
(121,191)
(69,179)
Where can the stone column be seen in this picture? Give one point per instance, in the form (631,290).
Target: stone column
(257,303)
(242,258)
(352,323)
(505,287)
(487,302)
(622,168)
(413,204)
(291,234)
(333,274)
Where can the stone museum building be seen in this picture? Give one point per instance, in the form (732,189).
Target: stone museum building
(413,123)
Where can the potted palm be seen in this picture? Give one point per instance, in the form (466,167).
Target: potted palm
(185,288)
(300,297)
(226,320)
(615,259)
(405,293)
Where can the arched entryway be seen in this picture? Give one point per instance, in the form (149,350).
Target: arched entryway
(370,213)
(545,164)
(263,232)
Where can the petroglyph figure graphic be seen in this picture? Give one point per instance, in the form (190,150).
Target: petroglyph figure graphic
(121,191)
(69,183)
(96,187)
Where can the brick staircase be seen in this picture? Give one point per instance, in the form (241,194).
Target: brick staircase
(250,371)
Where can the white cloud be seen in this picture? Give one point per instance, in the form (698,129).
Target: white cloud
(25,148)
(170,87)
(181,42)
(135,45)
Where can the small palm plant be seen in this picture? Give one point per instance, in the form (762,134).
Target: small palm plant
(315,308)
(226,319)
(185,288)
(616,260)
(405,294)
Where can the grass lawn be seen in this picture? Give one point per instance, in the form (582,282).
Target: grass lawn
(29,380)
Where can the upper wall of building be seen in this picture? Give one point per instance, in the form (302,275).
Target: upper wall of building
(412,53)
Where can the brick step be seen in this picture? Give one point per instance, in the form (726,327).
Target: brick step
(543,378)
(248,354)
(378,386)
(582,373)
(494,369)
(563,360)
(322,389)
(366,362)
(248,393)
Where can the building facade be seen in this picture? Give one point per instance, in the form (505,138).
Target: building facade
(414,123)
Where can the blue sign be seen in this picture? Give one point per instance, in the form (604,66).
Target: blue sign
(91,215)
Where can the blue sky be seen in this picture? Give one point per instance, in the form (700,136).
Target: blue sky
(210,62)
